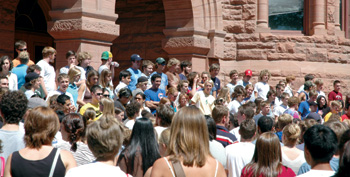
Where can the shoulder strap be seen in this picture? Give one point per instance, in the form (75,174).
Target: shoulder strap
(53,166)
(179,172)
(2,166)
(216,169)
(172,172)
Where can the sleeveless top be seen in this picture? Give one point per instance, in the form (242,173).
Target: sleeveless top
(172,172)
(306,95)
(39,168)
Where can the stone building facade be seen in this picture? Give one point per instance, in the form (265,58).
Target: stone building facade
(234,33)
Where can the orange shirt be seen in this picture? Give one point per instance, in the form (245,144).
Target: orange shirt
(16,62)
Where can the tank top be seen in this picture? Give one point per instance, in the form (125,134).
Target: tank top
(21,167)
(172,171)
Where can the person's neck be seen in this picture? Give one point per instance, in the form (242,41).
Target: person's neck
(94,102)
(159,71)
(146,73)
(289,145)
(111,162)
(63,91)
(234,82)
(132,118)
(5,72)
(321,166)
(134,67)
(264,113)
(206,94)
(10,127)
(221,124)
(172,71)
(32,89)
(247,140)
(154,88)
(284,104)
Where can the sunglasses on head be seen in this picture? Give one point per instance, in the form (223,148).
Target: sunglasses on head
(25,49)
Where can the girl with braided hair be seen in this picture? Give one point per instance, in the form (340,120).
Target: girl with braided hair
(72,130)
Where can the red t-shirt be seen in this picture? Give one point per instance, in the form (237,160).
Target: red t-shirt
(286,172)
(333,95)
(345,116)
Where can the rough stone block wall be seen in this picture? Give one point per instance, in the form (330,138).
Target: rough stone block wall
(141,31)
(7,26)
(326,56)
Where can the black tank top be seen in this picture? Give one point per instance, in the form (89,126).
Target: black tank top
(21,167)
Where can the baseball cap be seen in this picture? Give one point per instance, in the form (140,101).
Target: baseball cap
(314,115)
(160,60)
(136,57)
(248,72)
(31,76)
(106,55)
(36,102)
(142,79)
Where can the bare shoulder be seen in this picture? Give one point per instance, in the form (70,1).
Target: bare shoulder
(159,168)
(67,159)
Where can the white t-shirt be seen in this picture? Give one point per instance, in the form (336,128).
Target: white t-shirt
(159,130)
(279,110)
(262,89)
(231,87)
(288,90)
(238,155)
(301,88)
(204,102)
(13,84)
(118,87)
(293,164)
(233,106)
(101,68)
(129,123)
(318,173)
(96,169)
(240,82)
(49,75)
(235,132)
(321,93)
(29,93)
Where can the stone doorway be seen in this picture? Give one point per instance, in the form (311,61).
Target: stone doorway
(31,26)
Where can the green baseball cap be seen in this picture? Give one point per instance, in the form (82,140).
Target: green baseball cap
(106,55)
(160,60)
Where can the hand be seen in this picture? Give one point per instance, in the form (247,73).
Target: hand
(115,64)
(72,109)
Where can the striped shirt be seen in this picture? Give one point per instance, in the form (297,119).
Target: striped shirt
(224,136)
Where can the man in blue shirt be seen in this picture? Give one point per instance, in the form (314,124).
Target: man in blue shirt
(160,66)
(134,70)
(304,107)
(154,94)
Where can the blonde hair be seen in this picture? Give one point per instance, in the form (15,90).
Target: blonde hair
(108,106)
(263,73)
(104,137)
(102,79)
(209,82)
(189,138)
(48,51)
(292,133)
(224,94)
(284,120)
(164,101)
(23,55)
(72,72)
(164,137)
(290,79)
(318,82)
(335,103)
(83,55)
(173,61)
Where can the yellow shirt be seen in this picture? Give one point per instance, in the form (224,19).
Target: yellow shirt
(328,115)
(204,102)
(95,107)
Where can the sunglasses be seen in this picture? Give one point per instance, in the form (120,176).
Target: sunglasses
(99,94)
(25,49)
(107,96)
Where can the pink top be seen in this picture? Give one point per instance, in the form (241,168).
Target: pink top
(286,172)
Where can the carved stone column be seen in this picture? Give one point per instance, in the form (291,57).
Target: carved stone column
(83,25)
(319,17)
(263,16)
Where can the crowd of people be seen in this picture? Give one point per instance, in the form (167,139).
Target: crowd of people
(72,121)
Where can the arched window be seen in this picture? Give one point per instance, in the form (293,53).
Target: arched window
(286,14)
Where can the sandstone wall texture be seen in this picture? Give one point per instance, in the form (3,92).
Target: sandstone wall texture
(141,31)
(326,56)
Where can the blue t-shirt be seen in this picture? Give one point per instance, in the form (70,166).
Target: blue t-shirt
(135,74)
(164,82)
(304,109)
(182,77)
(154,95)
(73,89)
(216,83)
(305,167)
(21,72)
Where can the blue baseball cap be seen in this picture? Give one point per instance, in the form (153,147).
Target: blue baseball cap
(136,57)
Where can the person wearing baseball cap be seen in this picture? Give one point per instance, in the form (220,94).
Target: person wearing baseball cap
(160,66)
(106,59)
(32,83)
(247,76)
(134,70)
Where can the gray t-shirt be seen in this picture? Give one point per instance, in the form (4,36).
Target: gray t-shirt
(11,141)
